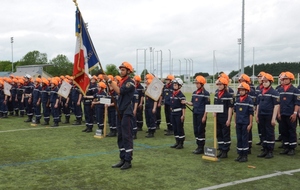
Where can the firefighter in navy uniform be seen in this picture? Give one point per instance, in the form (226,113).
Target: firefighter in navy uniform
(66,104)
(166,94)
(36,100)
(178,113)
(99,108)
(266,113)
(243,116)
(28,89)
(45,94)
(225,98)
(3,101)
(54,102)
(13,91)
(87,104)
(150,110)
(258,90)
(200,98)
(111,111)
(141,92)
(125,90)
(289,106)
(20,98)
(76,97)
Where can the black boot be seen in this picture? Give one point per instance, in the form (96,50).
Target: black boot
(291,152)
(29,119)
(5,115)
(112,133)
(1,114)
(45,123)
(118,165)
(199,150)
(37,121)
(244,158)
(169,133)
(285,151)
(67,120)
(126,165)
(84,130)
(269,155)
(176,144)
(150,134)
(55,124)
(77,122)
(220,153)
(238,158)
(180,145)
(224,154)
(16,113)
(263,153)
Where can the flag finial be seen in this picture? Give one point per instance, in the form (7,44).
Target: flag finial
(76,4)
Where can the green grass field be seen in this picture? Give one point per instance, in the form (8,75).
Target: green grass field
(66,158)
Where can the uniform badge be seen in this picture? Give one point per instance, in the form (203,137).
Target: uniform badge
(284,98)
(298,97)
(196,99)
(167,94)
(241,109)
(128,84)
(278,100)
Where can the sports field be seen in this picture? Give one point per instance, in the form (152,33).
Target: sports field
(66,158)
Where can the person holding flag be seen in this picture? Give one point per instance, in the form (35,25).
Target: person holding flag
(125,90)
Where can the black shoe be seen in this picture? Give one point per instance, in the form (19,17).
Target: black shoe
(126,165)
(54,125)
(291,152)
(169,133)
(263,154)
(220,153)
(134,137)
(84,130)
(198,151)
(269,155)
(77,123)
(150,135)
(89,130)
(224,154)
(180,146)
(111,134)
(249,151)
(45,123)
(285,151)
(243,159)
(175,145)
(238,158)
(259,143)
(118,165)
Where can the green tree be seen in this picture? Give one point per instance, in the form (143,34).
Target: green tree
(60,65)
(143,74)
(5,66)
(111,69)
(34,58)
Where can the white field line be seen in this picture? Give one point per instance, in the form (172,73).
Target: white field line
(38,128)
(277,173)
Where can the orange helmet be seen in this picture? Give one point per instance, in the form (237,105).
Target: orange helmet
(268,77)
(100,77)
(118,78)
(15,80)
(222,80)
(200,79)
(20,80)
(62,77)
(39,80)
(170,77)
(149,76)
(149,81)
(45,81)
(95,77)
(244,85)
(137,78)
(110,77)
(8,80)
(245,77)
(11,76)
(288,75)
(101,85)
(127,66)
(260,74)
(54,81)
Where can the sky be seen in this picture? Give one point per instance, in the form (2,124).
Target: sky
(185,36)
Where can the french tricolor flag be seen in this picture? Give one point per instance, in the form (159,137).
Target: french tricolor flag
(85,58)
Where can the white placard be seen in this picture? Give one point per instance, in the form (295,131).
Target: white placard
(64,89)
(105,101)
(214,108)
(7,88)
(154,90)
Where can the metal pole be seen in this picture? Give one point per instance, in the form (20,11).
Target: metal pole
(12,54)
(239,56)
(243,38)
(144,62)
(137,60)
(161,64)
(179,68)
(213,66)
(186,70)
(156,62)
(253,66)
(192,67)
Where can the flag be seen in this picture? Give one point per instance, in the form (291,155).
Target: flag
(154,90)
(85,58)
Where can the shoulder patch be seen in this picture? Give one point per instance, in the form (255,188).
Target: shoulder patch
(127,84)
